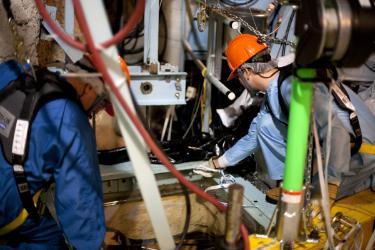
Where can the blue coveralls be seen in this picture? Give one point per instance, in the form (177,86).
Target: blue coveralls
(268,132)
(62,149)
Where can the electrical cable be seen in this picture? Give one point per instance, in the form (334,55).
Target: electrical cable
(288,30)
(323,187)
(270,76)
(118,37)
(236,3)
(274,17)
(135,50)
(370,68)
(329,132)
(187,217)
(195,109)
(136,122)
(189,12)
(164,21)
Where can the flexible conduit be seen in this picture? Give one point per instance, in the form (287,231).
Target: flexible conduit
(99,64)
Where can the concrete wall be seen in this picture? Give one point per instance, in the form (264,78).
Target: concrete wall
(19,38)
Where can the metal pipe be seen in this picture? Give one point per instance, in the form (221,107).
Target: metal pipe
(213,80)
(188,49)
(233,217)
(220,86)
(151,31)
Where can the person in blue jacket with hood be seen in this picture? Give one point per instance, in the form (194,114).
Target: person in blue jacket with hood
(62,150)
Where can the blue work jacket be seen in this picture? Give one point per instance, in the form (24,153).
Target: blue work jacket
(268,132)
(61,149)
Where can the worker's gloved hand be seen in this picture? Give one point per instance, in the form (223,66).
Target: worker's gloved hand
(208,168)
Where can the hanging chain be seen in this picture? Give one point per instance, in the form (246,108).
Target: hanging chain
(262,37)
(202,17)
(308,186)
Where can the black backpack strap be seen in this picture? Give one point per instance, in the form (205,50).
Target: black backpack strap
(268,107)
(285,72)
(342,99)
(21,100)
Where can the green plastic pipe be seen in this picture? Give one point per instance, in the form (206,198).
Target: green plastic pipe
(298,130)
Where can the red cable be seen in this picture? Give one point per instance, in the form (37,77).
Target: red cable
(118,37)
(153,146)
(245,237)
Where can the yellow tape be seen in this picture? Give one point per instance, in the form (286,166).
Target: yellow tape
(20,219)
(367,149)
(203,72)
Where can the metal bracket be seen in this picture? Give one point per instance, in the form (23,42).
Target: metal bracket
(165,88)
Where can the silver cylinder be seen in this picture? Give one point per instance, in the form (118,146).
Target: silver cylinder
(289,217)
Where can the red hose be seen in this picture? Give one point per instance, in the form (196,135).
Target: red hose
(98,62)
(118,37)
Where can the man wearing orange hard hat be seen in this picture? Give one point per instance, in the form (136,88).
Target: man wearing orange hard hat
(249,61)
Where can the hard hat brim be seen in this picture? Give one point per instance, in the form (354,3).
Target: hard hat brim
(232,75)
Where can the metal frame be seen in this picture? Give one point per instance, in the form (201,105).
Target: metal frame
(164,88)
(214,57)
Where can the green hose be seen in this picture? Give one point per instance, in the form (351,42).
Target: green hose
(298,130)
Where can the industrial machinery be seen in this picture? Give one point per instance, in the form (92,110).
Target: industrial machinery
(329,32)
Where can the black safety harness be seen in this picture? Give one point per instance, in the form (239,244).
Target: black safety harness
(19,103)
(340,95)
(285,72)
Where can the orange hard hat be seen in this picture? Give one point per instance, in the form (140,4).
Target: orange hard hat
(241,49)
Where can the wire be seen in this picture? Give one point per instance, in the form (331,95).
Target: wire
(195,109)
(189,13)
(323,187)
(329,132)
(237,3)
(287,30)
(274,16)
(187,217)
(118,37)
(99,63)
(270,76)
(370,68)
(276,29)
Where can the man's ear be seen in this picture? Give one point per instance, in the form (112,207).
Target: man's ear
(247,73)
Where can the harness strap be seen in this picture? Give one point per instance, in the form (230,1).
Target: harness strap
(342,99)
(20,219)
(285,72)
(268,107)
(19,151)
